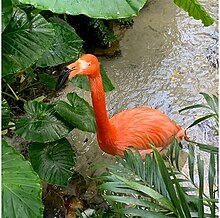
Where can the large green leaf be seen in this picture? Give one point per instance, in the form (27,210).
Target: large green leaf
(66,45)
(40,124)
(96,8)
(83,81)
(6,13)
(195,10)
(21,188)
(5,113)
(79,114)
(48,80)
(54,162)
(25,39)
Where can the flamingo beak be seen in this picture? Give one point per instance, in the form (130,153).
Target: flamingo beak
(63,78)
(67,73)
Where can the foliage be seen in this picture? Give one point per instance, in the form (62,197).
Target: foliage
(195,10)
(155,187)
(65,47)
(6,13)
(25,39)
(94,9)
(40,123)
(54,162)
(21,186)
(116,10)
(179,195)
(79,113)
(213,106)
(104,34)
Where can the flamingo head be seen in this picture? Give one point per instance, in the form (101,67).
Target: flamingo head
(87,64)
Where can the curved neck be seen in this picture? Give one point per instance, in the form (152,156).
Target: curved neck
(99,106)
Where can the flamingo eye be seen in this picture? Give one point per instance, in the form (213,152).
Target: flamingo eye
(89,64)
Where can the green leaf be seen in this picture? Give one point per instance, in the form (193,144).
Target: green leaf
(200,164)
(212,179)
(144,213)
(25,39)
(206,147)
(21,187)
(48,80)
(168,182)
(216,100)
(54,162)
(201,119)
(118,187)
(108,86)
(194,106)
(66,45)
(181,195)
(211,175)
(96,8)
(211,102)
(7,10)
(5,113)
(133,201)
(164,202)
(40,123)
(195,9)
(78,113)
(83,81)
(191,161)
(174,154)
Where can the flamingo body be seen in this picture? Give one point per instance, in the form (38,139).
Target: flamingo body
(135,127)
(139,128)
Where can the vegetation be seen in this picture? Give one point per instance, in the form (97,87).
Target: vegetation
(38,37)
(155,187)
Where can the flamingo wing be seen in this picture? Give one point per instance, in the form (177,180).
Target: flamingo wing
(139,127)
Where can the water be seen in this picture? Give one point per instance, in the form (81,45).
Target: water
(164,65)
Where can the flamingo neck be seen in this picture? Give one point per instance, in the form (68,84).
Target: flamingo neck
(104,128)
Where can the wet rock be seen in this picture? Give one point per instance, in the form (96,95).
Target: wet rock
(212,55)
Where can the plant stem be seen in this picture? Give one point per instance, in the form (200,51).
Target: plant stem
(15,96)
(5,93)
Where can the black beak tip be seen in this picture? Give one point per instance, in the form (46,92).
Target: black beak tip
(62,78)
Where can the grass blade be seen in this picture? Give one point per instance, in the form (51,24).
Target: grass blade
(201,119)
(191,161)
(206,147)
(210,102)
(200,164)
(194,106)
(216,103)
(211,177)
(177,154)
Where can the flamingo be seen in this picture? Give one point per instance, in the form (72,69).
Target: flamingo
(132,128)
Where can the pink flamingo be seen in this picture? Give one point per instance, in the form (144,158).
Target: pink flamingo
(135,127)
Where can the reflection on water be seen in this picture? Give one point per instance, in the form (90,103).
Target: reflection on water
(163,65)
